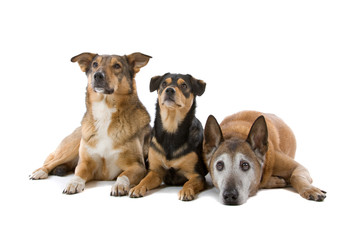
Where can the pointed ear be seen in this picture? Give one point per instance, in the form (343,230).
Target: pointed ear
(84,60)
(198,86)
(212,138)
(137,60)
(155,83)
(258,137)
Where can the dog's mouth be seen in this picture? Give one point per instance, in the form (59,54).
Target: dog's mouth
(103,90)
(170,101)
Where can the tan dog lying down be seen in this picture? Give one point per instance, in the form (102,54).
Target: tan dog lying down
(250,151)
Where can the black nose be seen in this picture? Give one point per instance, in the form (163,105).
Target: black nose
(170,91)
(99,77)
(230,196)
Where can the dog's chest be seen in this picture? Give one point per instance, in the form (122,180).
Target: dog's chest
(103,152)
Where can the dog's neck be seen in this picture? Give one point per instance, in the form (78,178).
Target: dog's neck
(172,118)
(117,101)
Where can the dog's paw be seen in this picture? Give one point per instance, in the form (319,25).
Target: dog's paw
(76,185)
(121,187)
(313,193)
(186,194)
(138,191)
(38,174)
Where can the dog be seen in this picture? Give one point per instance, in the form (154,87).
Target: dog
(114,136)
(252,150)
(175,154)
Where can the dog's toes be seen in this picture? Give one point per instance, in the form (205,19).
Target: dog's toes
(76,185)
(38,174)
(138,191)
(119,189)
(187,194)
(314,194)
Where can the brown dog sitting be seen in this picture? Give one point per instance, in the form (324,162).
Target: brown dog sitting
(175,154)
(113,139)
(250,151)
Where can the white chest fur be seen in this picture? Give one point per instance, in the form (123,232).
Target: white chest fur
(104,149)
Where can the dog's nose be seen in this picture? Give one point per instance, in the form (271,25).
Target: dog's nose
(170,91)
(99,77)
(230,196)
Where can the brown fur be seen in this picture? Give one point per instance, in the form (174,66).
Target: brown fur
(175,165)
(279,168)
(120,112)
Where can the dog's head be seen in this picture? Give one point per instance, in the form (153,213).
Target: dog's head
(235,165)
(108,74)
(176,91)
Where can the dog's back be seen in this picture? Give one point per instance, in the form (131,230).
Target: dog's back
(280,135)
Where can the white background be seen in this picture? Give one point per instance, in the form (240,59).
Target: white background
(297,59)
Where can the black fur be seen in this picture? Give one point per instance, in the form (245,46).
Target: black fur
(189,134)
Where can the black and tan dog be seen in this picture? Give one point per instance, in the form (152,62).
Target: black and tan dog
(175,154)
(114,136)
(251,150)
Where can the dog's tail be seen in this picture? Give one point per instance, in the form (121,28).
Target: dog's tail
(146,145)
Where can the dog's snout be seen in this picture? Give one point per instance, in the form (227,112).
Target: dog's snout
(231,196)
(170,91)
(99,77)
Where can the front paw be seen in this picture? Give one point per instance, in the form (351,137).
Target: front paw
(313,193)
(186,194)
(38,174)
(138,191)
(76,185)
(121,187)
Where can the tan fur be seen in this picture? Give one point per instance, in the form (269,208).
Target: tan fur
(281,138)
(279,168)
(172,114)
(157,170)
(121,123)
(174,106)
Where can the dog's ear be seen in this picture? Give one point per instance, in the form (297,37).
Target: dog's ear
(198,86)
(258,137)
(213,137)
(137,60)
(84,60)
(154,83)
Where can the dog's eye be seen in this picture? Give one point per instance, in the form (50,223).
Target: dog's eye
(164,84)
(117,66)
(244,165)
(220,165)
(95,64)
(184,86)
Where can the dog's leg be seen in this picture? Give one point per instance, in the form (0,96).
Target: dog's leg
(194,185)
(130,177)
(301,181)
(66,154)
(84,172)
(152,180)
(298,176)
(275,182)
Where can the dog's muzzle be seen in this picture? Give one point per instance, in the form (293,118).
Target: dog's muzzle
(100,85)
(170,94)
(231,197)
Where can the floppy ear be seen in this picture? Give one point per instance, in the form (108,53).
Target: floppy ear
(137,60)
(84,60)
(198,86)
(155,83)
(258,137)
(213,137)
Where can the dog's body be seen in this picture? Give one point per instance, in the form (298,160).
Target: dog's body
(114,136)
(250,151)
(175,154)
